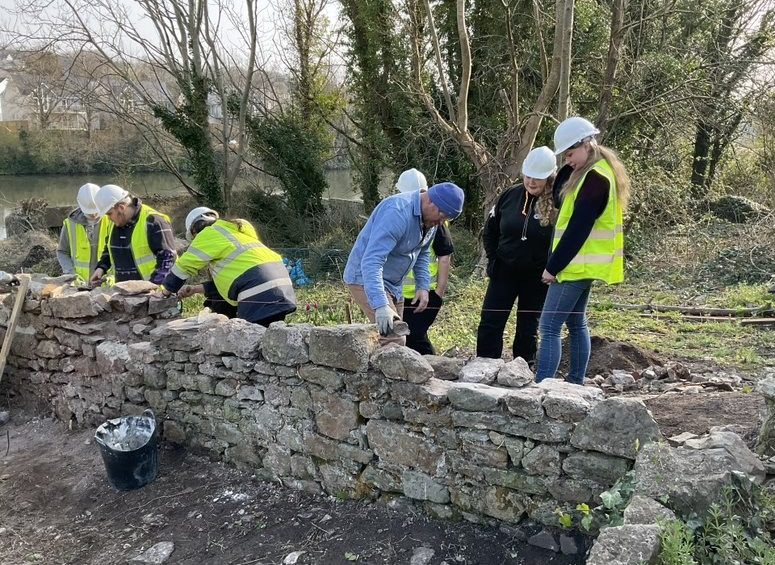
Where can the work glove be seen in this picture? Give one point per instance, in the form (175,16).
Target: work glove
(384,316)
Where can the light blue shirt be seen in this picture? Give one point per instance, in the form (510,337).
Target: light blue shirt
(388,247)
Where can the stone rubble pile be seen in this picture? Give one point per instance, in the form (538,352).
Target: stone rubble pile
(673,377)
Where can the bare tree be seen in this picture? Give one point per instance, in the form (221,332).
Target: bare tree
(497,167)
(181,76)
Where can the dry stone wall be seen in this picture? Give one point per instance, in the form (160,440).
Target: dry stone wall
(324,409)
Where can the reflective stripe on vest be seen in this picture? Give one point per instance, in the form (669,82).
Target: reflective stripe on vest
(80,246)
(433,268)
(228,260)
(602,255)
(144,258)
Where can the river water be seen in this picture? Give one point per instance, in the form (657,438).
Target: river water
(60,190)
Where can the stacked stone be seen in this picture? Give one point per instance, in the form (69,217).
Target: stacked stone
(70,345)
(325,409)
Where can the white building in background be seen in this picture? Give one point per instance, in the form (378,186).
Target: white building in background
(3,84)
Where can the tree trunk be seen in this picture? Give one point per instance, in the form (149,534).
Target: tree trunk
(566,33)
(612,63)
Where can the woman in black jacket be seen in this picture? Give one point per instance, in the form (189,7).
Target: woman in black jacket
(517,238)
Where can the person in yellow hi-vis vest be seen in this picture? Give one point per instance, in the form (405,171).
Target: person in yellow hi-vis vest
(139,244)
(248,280)
(441,250)
(588,243)
(83,236)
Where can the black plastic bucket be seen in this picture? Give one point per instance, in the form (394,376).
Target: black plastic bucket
(129,448)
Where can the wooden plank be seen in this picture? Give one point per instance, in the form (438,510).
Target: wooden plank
(758,322)
(694,310)
(24,284)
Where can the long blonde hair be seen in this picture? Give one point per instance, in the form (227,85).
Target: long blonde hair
(545,204)
(597,152)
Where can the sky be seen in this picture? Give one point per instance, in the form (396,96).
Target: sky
(269,26)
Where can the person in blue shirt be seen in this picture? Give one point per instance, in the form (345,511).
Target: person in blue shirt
(396,239)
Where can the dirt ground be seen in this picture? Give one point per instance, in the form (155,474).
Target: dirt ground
(57,507)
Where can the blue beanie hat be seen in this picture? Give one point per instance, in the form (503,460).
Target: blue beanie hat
(448,197)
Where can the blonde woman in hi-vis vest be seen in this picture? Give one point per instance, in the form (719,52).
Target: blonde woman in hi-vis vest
(588,243)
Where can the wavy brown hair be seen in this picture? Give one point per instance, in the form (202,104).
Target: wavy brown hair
(597,152)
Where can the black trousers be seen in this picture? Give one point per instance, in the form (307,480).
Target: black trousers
(419,323)
(507,285)
(219,306)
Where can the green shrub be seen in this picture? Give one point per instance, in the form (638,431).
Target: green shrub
(677,544)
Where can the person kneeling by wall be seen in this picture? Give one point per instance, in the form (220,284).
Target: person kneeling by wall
(249,280)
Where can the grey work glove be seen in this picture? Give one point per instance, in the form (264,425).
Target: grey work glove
(384,316)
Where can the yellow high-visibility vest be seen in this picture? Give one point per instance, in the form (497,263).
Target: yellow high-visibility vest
(80,246)
(144,258)
(228,250)
(602,255)
(433,268)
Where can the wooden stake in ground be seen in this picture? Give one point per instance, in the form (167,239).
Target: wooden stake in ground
(24,284)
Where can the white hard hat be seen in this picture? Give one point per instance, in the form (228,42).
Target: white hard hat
(571,131)
(540,163)
(108,196)
(197,213)
(85,199)
(411,180)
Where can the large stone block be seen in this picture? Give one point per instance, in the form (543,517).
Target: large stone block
(568,406)
(135,306)
(430,394)
(422,487)
(542,460)
(566,489)
(617,426)
(328,378)
(236,336)
(287,345)
(475,397)
(604,469)
(545,430)
(335,416)
(645,510)
(526,403)
(394,444)
(381,479)
(131,288)
(70,304)
(344,347)
(49,349)
(112,356)
(481,370)
(691,479)
(445,368)
(402,364)
(498,502)
(515,374)
(626,545)
(477,449)
(187,329)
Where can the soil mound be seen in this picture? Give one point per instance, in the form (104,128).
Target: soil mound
(29,252)
(608,354)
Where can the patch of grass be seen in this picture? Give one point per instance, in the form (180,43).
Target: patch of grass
(455,328)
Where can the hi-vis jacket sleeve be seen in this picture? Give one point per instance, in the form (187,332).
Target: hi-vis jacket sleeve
(207,246)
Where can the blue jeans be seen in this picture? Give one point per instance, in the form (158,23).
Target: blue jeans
(566,303)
